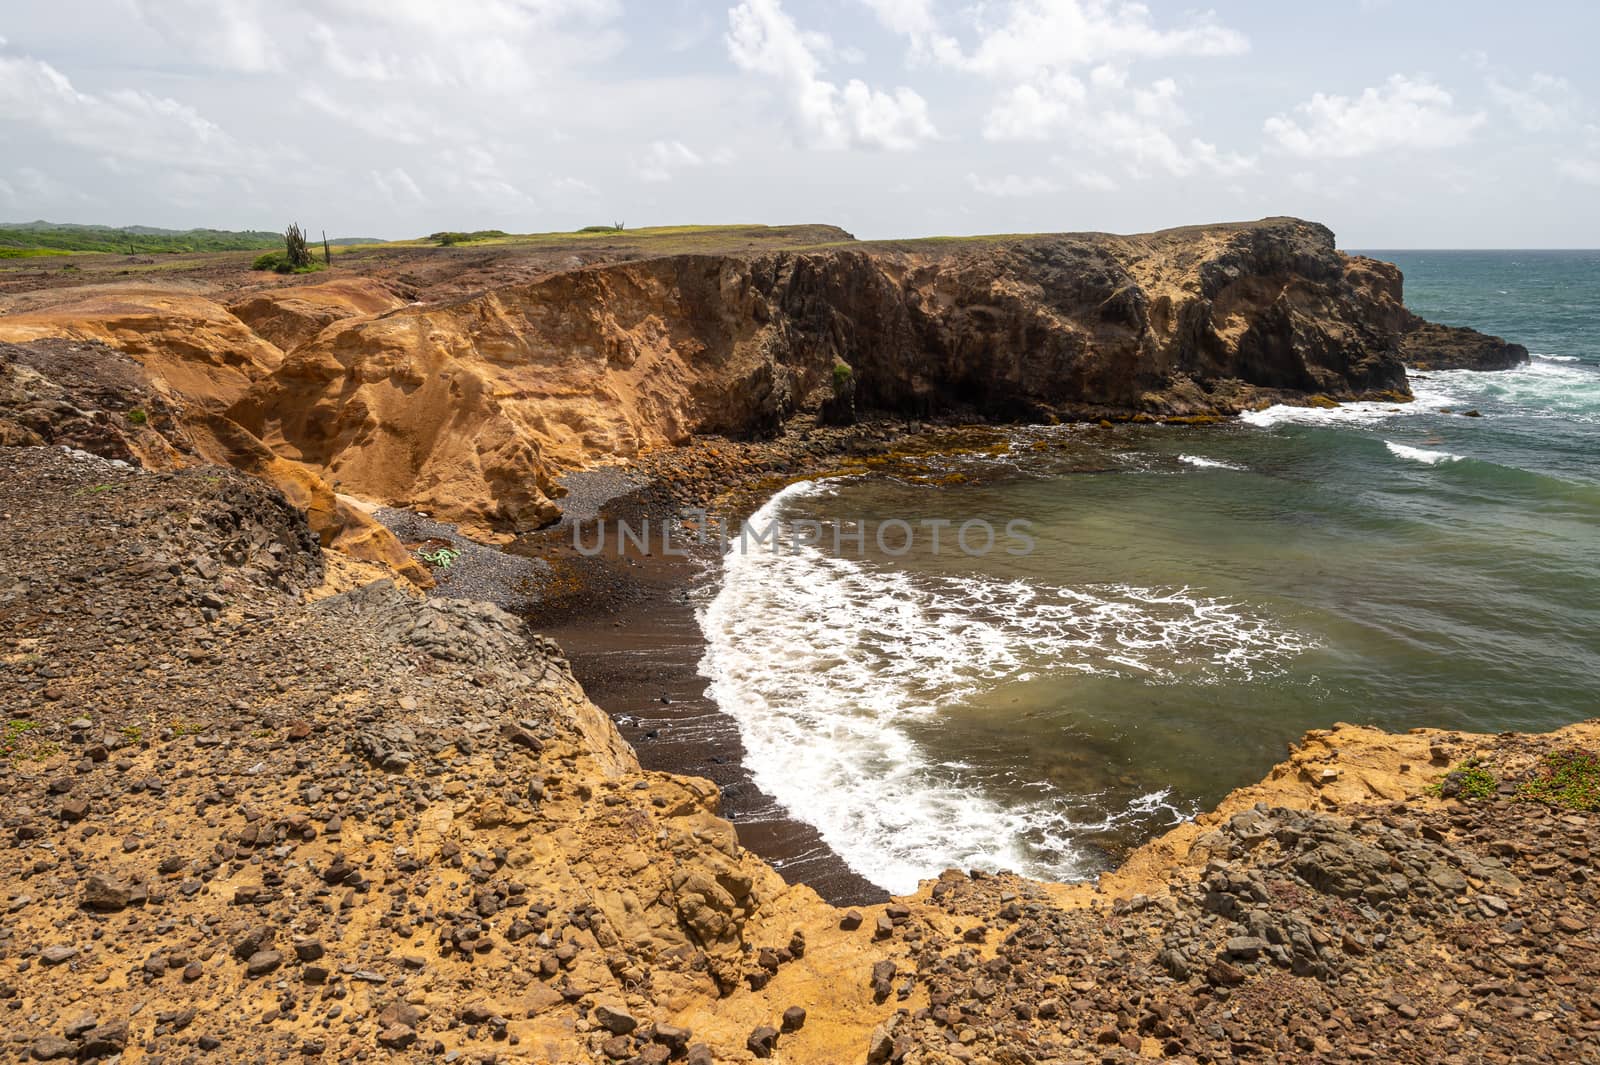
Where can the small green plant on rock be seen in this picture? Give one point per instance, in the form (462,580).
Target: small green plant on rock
(842,373)
(137,415)
(1469,780)
(1569,779)
(14,731)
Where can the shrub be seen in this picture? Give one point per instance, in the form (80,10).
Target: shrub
(841,377)
(278,263)
(137,416)
(448,238)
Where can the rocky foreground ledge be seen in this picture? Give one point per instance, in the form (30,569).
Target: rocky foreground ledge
(262,808)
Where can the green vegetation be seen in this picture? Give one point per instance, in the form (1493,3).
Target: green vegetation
(654,240)
(1469,780)
(449,239)
(14,740)
(24,239)
(14,731)
(295,250)
(137,415)
(441,558)
(1569,779)
(278,262)
(841,377)
(7,252)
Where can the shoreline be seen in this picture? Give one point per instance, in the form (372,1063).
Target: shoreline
(627,624)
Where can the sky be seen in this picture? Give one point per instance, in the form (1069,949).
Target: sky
(1399,123)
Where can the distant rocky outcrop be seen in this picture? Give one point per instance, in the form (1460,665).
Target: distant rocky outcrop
(1429,346)
(1426,345)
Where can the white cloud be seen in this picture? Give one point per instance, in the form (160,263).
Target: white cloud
(337,59)
(1586,171)
(396,122)
(1545,104)
(1224,164)
(227,34)
(1063,67)
(1012,186)
(476,178)
(571,190)
(910,17)
(491,46)
(127,124)
(1405,113)
(1094,180)
(1039,37)
(763,39)
(397,187)
(663,157)
(1104,117)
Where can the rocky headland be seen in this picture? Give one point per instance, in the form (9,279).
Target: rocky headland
(470,407)
(268,800)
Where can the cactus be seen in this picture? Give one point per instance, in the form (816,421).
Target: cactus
(295,249)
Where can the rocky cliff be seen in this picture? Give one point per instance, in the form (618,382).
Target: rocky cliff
(470,408)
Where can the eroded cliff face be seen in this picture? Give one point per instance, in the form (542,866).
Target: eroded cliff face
(471,409)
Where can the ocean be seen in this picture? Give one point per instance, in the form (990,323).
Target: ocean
(1196,598)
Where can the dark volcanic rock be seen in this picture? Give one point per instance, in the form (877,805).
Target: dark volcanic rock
(105,894)
(1428,346)
(762,1041)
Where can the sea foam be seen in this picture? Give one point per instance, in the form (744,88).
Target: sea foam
(1422,455)
(1362,413)
(828,665)
(1208,464)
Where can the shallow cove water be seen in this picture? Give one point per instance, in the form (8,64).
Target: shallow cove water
(1195,599)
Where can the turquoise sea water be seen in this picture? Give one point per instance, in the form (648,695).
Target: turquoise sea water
(1197,598)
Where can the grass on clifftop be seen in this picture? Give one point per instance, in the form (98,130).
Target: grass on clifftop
(654,240)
